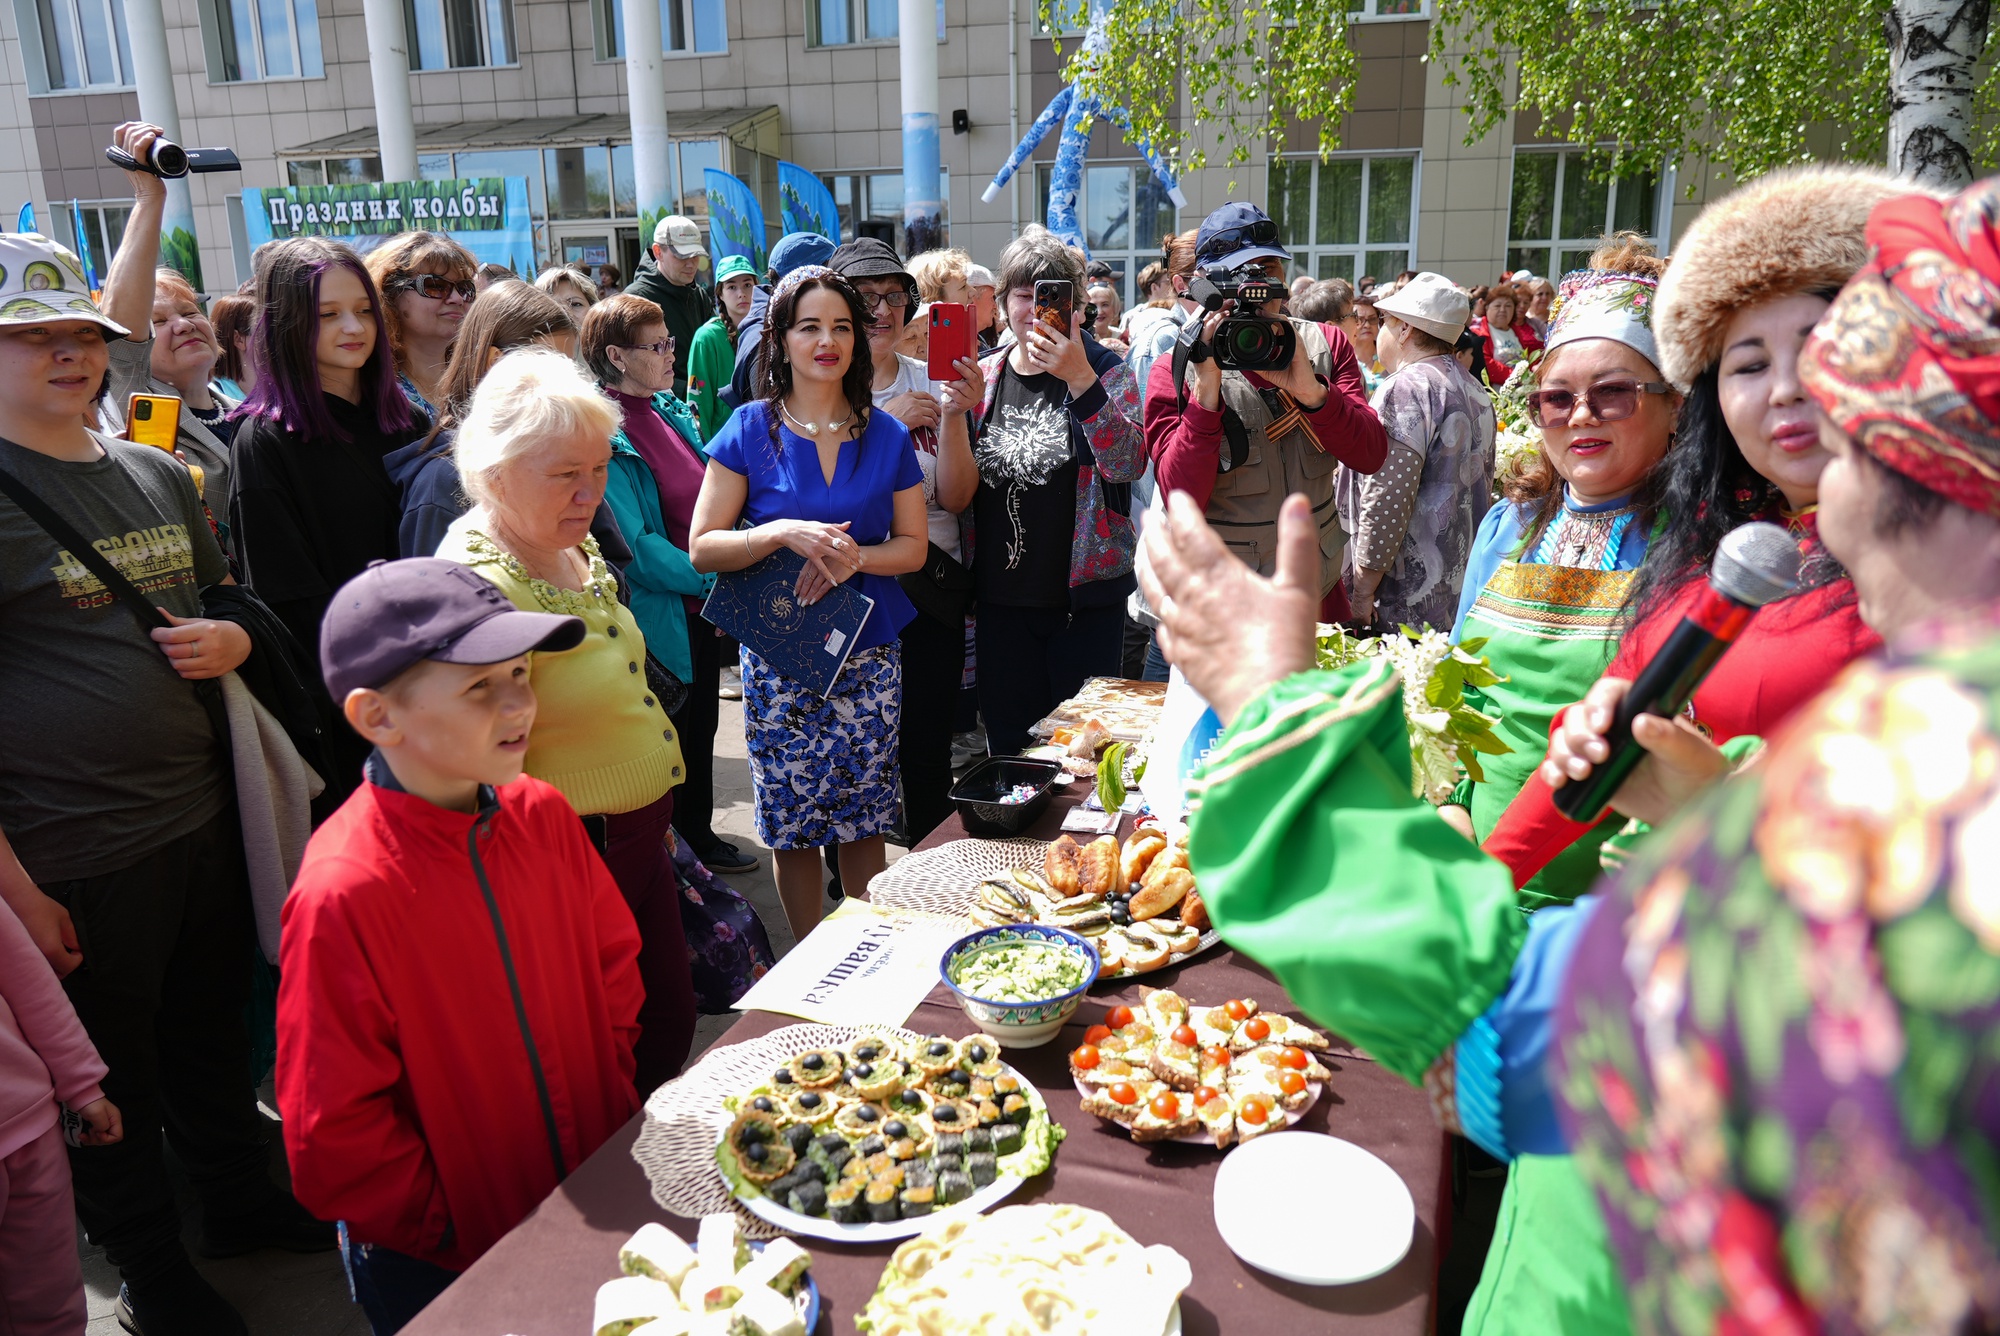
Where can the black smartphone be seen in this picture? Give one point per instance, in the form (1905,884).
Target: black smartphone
(1055,304)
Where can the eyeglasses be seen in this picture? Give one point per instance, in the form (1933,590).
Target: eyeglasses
(435,287)
(1263,232)
(1613,401)
(663,347)
(874,301)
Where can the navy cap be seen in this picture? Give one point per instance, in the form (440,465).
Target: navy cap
(868,257)
(396,614)
(1236,234)
(799,248)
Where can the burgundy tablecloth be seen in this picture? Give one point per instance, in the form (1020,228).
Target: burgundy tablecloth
(539,1280)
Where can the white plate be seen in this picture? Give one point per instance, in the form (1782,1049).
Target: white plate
(1355,1224)
(1314,1088)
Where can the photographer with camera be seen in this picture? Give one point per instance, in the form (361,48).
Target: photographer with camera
(1252,406)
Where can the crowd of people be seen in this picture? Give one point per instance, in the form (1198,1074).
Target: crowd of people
(388,687)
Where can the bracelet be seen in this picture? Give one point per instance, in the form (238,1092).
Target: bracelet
(748,550)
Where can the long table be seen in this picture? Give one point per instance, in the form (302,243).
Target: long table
(540,1279)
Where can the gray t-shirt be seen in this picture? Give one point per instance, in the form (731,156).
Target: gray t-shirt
(105,752)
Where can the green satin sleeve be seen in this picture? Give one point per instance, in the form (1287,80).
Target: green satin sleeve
(1315,860)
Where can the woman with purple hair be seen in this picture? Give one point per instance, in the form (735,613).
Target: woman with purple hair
(312,503)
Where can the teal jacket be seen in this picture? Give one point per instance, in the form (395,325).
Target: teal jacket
(660,573)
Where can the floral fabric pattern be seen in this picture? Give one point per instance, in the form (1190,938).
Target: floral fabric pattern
(728,948)
(1778,1055)
(824,770)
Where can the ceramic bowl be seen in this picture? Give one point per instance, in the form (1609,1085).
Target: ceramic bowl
(1020,1024)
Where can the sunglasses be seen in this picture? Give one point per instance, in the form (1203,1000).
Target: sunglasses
(435,287)
(663,347)
(1613,401)
(1263,232)
(874,301)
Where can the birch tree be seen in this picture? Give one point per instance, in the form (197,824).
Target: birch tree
(1746,85)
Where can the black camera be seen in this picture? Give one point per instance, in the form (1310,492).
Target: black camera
(169,160)
(1242,342)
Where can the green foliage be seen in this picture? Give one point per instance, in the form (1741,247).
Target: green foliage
(1746,85)
(1447,733)
(180,251)
(1250,68)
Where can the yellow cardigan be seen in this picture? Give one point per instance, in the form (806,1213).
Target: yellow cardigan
(599,736)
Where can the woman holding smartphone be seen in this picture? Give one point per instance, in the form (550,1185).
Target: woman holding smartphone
(1058,442)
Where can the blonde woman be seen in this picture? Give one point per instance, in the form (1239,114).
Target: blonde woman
(533,453)
(570,287)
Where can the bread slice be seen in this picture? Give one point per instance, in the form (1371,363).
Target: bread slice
(1176,1064)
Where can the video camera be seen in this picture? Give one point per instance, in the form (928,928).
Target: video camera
(1242,342)
(169,161)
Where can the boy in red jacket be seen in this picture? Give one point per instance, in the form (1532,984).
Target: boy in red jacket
(460,988)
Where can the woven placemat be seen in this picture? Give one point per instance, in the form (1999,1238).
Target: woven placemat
(943,880)
(685,1118)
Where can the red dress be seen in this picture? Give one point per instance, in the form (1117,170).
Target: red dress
(1788,654)
(1497,371)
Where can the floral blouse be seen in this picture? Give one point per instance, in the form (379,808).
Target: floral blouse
(1779,1055)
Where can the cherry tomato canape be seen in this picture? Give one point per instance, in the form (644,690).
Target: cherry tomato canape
(1084,1057)
(1123,1093)
(1295,1058)
(1291,1082)
(1216,1056)
(1235,1010)
(1166,1106)
(1256,1110)
(1097,1034)
(1184,1036)
(1257,1029)
(1118,1017)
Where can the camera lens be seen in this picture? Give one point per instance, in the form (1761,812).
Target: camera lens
(169,159)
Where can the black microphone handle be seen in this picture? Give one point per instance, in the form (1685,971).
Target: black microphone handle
(1663,688)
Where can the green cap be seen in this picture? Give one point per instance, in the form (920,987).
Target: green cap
(733,265)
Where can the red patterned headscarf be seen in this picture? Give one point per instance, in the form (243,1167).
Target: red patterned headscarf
(1907,361)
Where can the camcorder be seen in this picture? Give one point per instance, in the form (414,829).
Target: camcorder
(169,161)
(1243,342)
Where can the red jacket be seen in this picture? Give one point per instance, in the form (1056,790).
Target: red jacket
(410,1106)
(1497,371)
(1789,653)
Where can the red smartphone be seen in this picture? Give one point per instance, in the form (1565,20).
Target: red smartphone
(951,339)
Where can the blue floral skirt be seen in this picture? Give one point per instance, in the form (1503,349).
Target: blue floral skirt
(824,769)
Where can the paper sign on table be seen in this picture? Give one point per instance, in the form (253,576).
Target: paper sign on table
(862,965)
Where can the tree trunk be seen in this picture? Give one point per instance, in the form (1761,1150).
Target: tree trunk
(1934,49)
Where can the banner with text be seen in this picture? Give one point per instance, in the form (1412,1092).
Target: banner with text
(488,215)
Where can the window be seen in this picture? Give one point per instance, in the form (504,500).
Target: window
(579,182)
(1561,207)
(357,171)
(460,34)
(1365,10)
(262,39)
(687,27)
(84,43)
(1346,217)
(103,229)
(845,22)
(871,205)
(1124,213)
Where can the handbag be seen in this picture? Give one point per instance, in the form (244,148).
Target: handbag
(941,588)
(666,685)
(728,948)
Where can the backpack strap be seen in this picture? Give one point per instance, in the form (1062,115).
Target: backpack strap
(1234,434)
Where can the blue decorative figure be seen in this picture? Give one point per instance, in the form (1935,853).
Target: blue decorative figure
(1071,106)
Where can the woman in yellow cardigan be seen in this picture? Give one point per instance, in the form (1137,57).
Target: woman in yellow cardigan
(533,453)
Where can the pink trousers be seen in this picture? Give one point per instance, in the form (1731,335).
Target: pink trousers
(41,1277)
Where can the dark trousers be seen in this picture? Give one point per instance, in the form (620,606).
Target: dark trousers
(1033,659)
(165,975)
(391,1287)
(695,725)
(636,852)
(933,663)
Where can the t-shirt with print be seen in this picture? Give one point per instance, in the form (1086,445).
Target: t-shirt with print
(1025,508)
(913,375)
(105,752)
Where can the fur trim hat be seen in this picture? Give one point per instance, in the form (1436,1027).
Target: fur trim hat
(1798,229)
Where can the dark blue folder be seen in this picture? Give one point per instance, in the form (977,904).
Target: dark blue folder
(808,643)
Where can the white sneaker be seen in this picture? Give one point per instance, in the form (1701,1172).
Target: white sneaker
(731,687)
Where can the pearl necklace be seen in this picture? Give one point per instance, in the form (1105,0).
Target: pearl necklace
(812,428)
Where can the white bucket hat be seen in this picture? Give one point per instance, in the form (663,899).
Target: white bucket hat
(41,280)
(1432,303)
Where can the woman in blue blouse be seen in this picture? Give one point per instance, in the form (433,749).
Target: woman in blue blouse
(811,467)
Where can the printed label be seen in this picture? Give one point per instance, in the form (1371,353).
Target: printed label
(834,641)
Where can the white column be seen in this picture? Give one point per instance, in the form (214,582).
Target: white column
(922,209)
(646,100)
(153,72)
(389,69)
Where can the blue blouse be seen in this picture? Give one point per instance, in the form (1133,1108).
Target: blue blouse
(786,483)
(1501,532)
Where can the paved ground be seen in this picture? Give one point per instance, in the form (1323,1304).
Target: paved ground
(284,1295)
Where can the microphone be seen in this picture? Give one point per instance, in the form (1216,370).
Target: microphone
(1754,565)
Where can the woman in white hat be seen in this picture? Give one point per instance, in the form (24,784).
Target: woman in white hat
(1413,518)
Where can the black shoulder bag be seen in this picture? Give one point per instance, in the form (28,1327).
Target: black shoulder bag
(209,690)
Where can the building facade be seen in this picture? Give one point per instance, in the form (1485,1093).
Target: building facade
(536,88)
